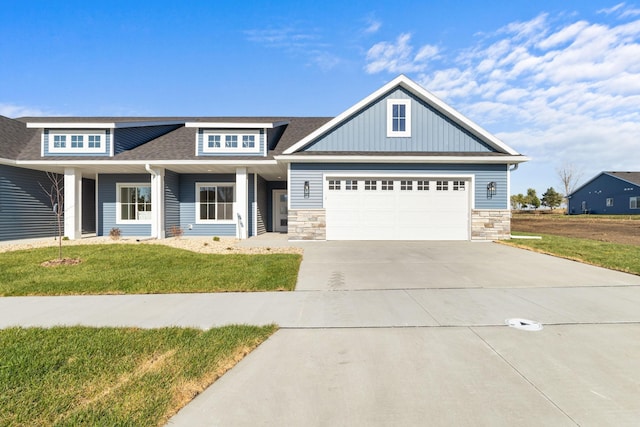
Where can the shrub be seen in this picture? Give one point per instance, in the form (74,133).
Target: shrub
(176,231)
(216,239)
(115,233)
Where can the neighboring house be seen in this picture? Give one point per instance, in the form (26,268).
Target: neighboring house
(608,193)
(398,165)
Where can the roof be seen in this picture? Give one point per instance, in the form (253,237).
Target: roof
(13,135)
(426,96)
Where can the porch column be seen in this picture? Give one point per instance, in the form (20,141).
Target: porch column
(72,203)
(242,195)
(157,201)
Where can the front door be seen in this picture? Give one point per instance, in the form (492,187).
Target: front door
(280,211)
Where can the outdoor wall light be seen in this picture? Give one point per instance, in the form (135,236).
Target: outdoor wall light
(492,188)
(306,189)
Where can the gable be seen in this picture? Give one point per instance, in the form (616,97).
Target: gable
(366,131)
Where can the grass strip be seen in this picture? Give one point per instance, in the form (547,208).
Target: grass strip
(112,376)
(143,269)
(613,256)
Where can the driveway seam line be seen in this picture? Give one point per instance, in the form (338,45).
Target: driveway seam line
(523,376)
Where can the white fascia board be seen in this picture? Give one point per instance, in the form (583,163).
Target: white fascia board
(420,92)
(229,125)
(71,163)
(402,159)
(97,125)
(8,162)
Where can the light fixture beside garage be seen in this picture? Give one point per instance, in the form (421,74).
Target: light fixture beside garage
(306,189)
(492,188)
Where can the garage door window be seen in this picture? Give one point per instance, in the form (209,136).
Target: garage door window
(458,185)
(334,184)
(370,185)
(386,185)
(422,186)
(442,185)
(406,185)
(350,184)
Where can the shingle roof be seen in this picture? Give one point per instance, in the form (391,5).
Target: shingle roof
(13,135)
(633,177)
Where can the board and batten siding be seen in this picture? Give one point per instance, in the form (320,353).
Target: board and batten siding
(107,215)
(25,209)
(107,144)
(259,149)
(366,131)
(301,172)
(171,201)
(128,138)
(188,209)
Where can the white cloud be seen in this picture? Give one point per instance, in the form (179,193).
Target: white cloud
(398,57)
(373,26)
(12,110)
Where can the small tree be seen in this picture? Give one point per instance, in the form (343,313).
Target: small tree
(569,176)
(552,199)
(517,201)
(531,199)
(56,197)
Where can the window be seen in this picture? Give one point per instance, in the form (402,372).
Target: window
(213,141)
(134,203)
(214,202)
(398,118)
(386,185)
(442,185)
(370,185)
(458,185)
(76,141)
(231,141)
(350,184)
(423,185)
(406,185)
(248,141)
(227,141)
(334,184)
(634,202)
(609,202)
(94,141)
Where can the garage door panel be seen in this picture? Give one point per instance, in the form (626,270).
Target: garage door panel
(406,214)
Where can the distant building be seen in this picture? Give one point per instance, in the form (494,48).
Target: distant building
(611,193)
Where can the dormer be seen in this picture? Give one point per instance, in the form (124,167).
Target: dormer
(228,138)
(84,138)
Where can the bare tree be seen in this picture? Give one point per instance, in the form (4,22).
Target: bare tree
(569,176)
(56,197)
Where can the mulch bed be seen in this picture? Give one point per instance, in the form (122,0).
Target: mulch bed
(63,261)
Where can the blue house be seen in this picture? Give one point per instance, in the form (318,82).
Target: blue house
(398,165)
(612,193)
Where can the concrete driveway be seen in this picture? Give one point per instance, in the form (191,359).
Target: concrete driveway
(405,334)
(462,366)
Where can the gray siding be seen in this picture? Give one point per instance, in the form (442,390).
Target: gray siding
(259,150)
(431,131)
(188,206)
(107,215)
(314,174)
(128,138)
(25,209)
(105,152)
(171,201)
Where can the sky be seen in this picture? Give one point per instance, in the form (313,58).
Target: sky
(559,81)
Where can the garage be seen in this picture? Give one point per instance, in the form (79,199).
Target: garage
(397,208)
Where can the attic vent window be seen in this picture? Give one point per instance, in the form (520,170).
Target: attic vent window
(398,118)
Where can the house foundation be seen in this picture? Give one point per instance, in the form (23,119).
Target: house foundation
(490,224)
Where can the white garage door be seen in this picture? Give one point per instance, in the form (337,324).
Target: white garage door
(375,208)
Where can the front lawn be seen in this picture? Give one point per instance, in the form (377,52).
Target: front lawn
(112,376)
(603,254)
(143,269)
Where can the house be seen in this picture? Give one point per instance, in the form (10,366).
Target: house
(398,165)
(611,193)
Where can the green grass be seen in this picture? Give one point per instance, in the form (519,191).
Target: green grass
(141,269)
(561,216)
(609,255)
(112,376)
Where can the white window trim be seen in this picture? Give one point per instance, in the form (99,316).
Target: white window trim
(74,150)
(223,134)
(398,134)
(635,199)
(197,204)
(119,219)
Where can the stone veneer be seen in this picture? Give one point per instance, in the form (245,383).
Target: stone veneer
(490,224)
(307,224)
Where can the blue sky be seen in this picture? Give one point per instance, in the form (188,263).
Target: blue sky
(558,81)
